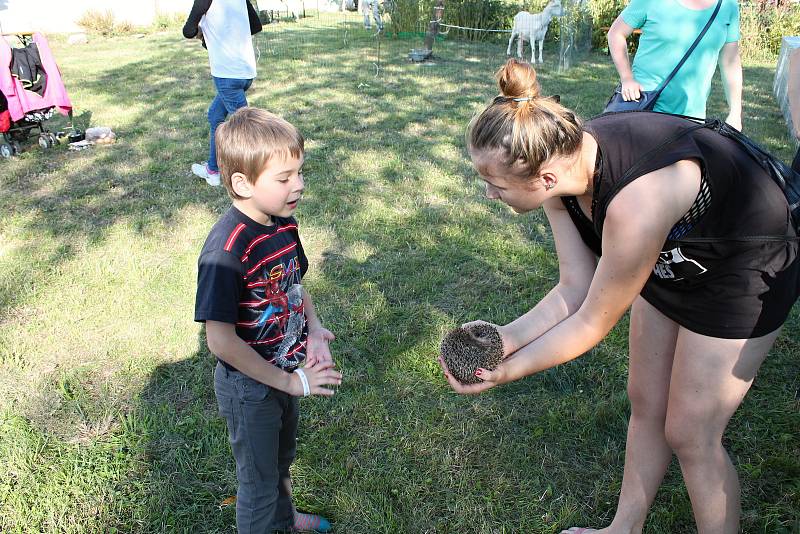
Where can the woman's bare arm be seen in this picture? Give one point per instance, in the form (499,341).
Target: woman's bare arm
(637,223)
(576,265)
(618,48)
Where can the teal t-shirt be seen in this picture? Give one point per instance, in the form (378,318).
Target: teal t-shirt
(668,30)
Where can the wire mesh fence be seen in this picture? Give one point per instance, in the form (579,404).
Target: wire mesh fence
(327,37)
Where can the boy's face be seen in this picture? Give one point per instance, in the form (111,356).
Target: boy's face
(278,189)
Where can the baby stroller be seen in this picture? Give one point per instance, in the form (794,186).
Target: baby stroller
(31,90)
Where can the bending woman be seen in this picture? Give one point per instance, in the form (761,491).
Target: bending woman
(697,240)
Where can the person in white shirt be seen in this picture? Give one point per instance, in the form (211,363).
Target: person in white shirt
(225,28)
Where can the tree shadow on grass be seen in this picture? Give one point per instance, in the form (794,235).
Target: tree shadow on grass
(410,256)
(188,464)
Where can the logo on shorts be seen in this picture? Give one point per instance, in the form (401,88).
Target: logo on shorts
(673,265)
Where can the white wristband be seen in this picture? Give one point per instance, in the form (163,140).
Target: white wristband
(304,380)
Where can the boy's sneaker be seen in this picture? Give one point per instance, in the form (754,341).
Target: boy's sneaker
(310,523)
(202,170)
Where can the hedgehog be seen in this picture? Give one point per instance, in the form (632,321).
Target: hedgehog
(466,349)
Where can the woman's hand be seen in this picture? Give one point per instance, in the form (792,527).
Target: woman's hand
(319,346)
(319,374)
(631,89)
(489,379)
(735,120)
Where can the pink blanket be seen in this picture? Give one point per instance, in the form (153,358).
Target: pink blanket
(20,100)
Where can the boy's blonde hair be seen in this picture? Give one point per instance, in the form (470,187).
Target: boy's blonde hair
(249,139)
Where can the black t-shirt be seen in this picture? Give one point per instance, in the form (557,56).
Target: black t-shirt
(250,275)
(736,273)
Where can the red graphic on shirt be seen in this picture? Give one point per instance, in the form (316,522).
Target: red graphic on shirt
(276,298)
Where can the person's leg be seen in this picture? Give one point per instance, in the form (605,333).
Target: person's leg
(365,11)
(230,97)
(647,455)
(254,425)
(209,170)
(287,449)
(377,15)
(710,377)
(286,517)
(216,114)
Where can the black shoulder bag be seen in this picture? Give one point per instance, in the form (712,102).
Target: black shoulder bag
(647,99)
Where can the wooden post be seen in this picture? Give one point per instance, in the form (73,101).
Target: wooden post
(433,27)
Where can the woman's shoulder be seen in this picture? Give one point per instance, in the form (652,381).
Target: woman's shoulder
(635,127)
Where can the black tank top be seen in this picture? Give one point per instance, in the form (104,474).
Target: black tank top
(733,272)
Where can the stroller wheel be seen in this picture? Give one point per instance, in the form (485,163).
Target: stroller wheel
(6,150)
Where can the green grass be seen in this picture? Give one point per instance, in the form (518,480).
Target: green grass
(107,415)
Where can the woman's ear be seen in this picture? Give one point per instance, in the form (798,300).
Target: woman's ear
(549,180)
(241,185)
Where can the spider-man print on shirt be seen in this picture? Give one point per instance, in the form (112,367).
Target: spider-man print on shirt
(276,305)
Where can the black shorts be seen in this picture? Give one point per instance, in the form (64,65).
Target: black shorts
(743,296)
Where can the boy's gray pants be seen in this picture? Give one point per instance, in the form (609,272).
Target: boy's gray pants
(262,427)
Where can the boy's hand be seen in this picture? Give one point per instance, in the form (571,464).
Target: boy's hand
(318,375)
(318,346)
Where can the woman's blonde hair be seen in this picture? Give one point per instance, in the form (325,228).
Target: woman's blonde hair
(526,127)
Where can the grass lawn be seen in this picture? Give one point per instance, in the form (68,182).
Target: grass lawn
(107,414)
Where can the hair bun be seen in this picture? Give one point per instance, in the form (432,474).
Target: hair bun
(517,79)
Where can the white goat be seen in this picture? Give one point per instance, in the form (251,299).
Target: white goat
(532,27)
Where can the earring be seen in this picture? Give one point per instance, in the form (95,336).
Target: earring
(548,187)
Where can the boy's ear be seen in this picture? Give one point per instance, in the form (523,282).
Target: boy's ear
(241,186)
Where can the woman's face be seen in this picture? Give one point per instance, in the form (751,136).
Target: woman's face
(509,184)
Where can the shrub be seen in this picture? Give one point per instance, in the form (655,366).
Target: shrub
(101,22)
(484,14)
(165,21)
(104,23)
(763,26)
(406,16)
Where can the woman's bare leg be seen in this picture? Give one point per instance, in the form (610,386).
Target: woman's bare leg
(647,455)
(710,377)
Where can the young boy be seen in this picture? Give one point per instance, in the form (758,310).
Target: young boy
(260,322)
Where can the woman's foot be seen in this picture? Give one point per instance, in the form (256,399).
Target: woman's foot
(310,523)
(579,530)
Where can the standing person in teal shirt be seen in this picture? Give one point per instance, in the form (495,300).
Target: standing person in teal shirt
(669,27)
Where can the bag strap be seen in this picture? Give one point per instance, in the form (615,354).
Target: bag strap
(631,174)
(776,169)
(689,52)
